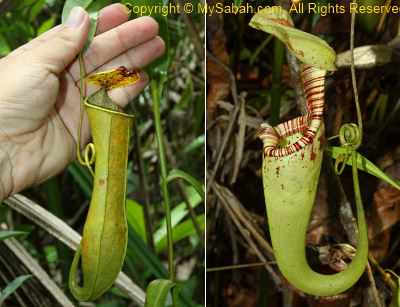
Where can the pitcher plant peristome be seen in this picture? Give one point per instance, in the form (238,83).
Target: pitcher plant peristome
(292,162)
(104,239)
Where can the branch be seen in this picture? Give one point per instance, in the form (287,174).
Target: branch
(68,236)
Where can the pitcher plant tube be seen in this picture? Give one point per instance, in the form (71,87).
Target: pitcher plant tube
(104,239)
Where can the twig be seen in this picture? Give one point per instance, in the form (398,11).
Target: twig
(239,139)
(392,285)
(295,82)
(144,184)
(238,266)
(232,236)
(60,230)
(245,233)
(193,33)
(346,216)
(20,252)
(232,122)
(372,297)
(245,219)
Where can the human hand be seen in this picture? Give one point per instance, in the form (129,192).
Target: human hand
(39,92)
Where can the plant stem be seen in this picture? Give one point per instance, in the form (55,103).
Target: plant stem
(144,185)
(353,76)
(164,174)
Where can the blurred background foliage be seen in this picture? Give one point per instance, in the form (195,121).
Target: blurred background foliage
(250,80)
(68,195)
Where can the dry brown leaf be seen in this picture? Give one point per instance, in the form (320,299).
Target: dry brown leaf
(382,215)
(239,297)
(218,78)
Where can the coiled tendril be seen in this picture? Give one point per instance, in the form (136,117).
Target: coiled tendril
(89,155)
(350,136)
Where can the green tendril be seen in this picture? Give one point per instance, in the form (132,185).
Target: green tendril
(81,106)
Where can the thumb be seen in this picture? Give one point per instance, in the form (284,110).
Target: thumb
(60,50)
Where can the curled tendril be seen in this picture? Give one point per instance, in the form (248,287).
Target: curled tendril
(350,138)
(89,157)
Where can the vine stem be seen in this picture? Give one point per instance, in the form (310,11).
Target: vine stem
(81,98)
(164,174)
(353,76)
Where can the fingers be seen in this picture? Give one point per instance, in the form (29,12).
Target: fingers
(134,58)
(137,57)
(111,17)
(122,96)
(114,42)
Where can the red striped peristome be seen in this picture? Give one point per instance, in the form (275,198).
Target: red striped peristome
(314,88)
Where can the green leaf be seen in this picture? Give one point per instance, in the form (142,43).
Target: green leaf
(363,164)
(46,25)
(308,48)
(137,249)
(187,94)
(398,292)
(119,292)
(51,254)
(4,234)
(4,48)
(12,286)
(157,292)
(70,4)
(135,217)
(178,174)
(194,144)
(35,10)
(177,215)
(238,3)
(112,303)
(181,231)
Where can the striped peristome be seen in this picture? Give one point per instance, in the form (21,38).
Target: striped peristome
(314,83)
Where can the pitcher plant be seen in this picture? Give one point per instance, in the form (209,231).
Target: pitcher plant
(104,239)
(292,158)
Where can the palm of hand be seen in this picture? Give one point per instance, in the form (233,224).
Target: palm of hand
(39,92)
(39,121)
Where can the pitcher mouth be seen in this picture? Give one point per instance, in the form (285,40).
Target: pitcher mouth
(273,137)
(89,105)
(307,125)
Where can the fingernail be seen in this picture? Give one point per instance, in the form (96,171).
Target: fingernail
(76,17)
